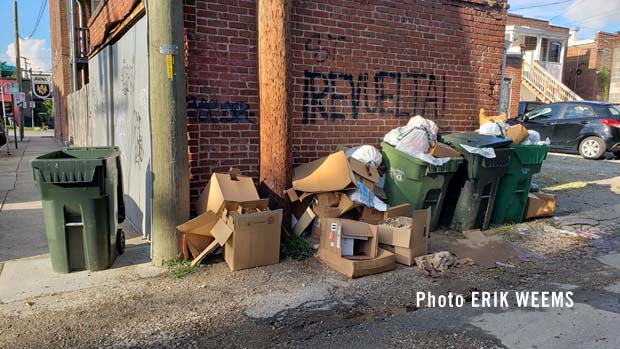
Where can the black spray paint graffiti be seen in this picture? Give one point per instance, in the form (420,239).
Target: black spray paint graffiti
(408,94)
(218,112)
(324,46)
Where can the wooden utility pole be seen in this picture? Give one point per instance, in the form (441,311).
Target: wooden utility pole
(18,66)
(275,120)
(168,126)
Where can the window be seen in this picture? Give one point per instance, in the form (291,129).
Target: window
(530,43)
(544,49)
(555,50)
(578,111)
(549,112)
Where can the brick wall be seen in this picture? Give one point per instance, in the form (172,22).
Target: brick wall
(520,21)
(590,58)
(106,16)
(61,58)
(513,71)
(358,69)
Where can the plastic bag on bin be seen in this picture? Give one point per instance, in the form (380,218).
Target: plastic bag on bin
(363,195)
(415,141)
(488,153)
(497,129)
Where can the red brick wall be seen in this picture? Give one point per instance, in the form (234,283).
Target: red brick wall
(358,69)
(535,23)
(106,16)
(513,70)
(61,58)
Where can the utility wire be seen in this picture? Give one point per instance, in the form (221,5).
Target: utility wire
(39,16)
(541,5)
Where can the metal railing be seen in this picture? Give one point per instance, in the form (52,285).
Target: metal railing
(546,86)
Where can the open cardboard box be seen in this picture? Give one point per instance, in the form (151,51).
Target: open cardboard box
(540,205)
(407,242)
(385,261)
(226,187)
(441,150)
(348,238)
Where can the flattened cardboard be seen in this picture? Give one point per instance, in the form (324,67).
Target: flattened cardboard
(365,171)
(255,241)
(331,173)
(441,150)
(421,232)
(326,211)
(385,261)
(223,188)
(292,195)
(334,230)
(374,216)
(540,205)
(327,199)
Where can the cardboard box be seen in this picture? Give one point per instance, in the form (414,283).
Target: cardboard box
(540,205)
(331,173)
(441,150)
(483,118)
(385,261)
(255,240)
(197,234)
(339,234)
(410,241)
(226,187)
(332,205)
(517,133)
(300,224)
(374,216)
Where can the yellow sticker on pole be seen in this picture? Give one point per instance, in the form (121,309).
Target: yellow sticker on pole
(170,72)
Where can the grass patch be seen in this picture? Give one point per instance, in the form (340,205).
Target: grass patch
(296,247)
(180,268)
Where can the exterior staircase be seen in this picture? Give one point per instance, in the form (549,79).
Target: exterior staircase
(545,86)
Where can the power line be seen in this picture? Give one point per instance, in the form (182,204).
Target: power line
(542,5)
(39,16)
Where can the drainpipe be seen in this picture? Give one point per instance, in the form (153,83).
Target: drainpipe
(501,83)
(71,15)
(82,39)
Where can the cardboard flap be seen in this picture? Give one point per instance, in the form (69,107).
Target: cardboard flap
(327,199)
(345,204)
(200,225)
(292,195)
(357,229)
(223,188)
(365,171)
(331,173)
(249,220)
(422,221)
(221,232)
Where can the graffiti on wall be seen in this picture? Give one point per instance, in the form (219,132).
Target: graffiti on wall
(335,95)
(218,112)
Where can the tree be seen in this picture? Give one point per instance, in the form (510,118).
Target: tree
(7,74)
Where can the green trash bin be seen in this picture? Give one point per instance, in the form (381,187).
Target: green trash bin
(515,185)
(413,181)
(471,194)
(82,195)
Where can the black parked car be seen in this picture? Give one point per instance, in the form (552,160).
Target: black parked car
(528,106)
(588,128)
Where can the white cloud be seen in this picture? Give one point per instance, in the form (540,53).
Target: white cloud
(594,14)
(36,50)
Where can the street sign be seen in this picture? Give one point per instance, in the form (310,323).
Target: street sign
(10,87)
(10,68)
(20,98)
(42,86)
(33,104)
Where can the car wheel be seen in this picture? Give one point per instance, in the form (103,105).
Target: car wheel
(592,148)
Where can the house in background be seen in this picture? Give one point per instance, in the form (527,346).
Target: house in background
(592,67)
(535,63)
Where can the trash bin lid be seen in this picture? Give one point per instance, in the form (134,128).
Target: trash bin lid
(474,139)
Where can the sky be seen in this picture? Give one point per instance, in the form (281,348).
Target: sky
(35,47)
(589,16)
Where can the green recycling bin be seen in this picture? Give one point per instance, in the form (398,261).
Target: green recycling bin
(416,182)
(471,194)
(82,195)
(515,185)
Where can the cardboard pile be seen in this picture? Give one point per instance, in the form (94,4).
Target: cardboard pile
(355,238)
(540,205)
(234,217)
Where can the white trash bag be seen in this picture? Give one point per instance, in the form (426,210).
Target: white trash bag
(497,129)
(367,154)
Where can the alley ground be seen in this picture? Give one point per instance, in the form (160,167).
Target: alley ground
(301,303)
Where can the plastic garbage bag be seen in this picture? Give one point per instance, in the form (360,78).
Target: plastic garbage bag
(415,141)
(366,154)
(488,153)
(430,129)
(363,195)
(532,138)
(497,129)
(431,159)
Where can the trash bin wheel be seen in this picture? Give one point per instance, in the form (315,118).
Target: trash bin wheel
(120,241)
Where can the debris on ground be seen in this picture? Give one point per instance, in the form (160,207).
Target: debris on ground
(438,263)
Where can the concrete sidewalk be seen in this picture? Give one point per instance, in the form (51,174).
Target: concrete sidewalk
(25,267)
